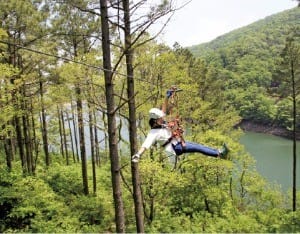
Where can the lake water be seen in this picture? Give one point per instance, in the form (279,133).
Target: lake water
(274,157)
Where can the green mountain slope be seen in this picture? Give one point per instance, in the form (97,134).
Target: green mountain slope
(247,60)
(270,31)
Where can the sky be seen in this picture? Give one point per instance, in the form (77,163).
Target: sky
(203,20)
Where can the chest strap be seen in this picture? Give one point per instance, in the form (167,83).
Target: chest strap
(167,142)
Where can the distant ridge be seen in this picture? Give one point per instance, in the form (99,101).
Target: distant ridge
(274,28)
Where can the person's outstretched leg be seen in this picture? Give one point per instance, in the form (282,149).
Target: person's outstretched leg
(191,147)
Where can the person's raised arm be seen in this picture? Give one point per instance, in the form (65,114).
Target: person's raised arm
(165,104)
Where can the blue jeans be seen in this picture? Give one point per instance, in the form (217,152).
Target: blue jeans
(191,147)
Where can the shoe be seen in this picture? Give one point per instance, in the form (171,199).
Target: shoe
(135,158)
(224,151)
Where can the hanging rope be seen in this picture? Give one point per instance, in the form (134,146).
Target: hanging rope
(175,123)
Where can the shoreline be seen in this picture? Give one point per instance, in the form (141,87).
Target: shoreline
(246,125)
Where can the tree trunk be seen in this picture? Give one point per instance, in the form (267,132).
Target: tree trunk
(28,148)
(111,118)
(105,124)
(8,147)
(20,143)
(82,141)
(44,126)
(294,138)
(92,142)
(8,152)
(35,144)
(137,195)
(71,137)
(26,130)
(12,51)
(97,150)
(75,133)
(64,137)
(60,133)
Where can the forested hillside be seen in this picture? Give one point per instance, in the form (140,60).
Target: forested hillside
(250,61)
(77,80)
(269,32)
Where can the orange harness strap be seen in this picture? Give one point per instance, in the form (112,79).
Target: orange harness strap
(177,130)
(175,125)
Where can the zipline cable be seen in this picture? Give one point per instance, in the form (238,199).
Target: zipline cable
(52,55)
(71,60)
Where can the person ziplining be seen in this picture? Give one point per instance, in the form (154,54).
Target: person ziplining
(170,135)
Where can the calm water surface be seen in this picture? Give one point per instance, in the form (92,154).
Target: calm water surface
(274,157)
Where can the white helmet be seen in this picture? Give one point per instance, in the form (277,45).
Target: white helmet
(156,113)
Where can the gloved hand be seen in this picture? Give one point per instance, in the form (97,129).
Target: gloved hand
(135,158)
(170,93)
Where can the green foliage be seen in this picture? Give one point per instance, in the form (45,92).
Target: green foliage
(254,104)
(209,195)
(31,206)
(248,59)
(288,82)
(290,222)
(64,180)
(52,203)
(199,194)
